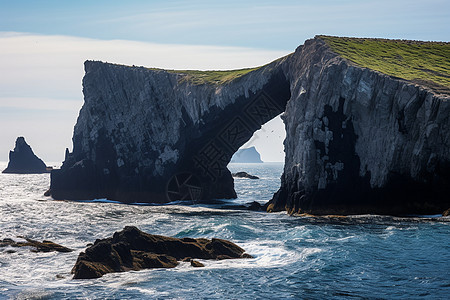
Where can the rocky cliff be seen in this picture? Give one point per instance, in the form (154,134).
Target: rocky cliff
(148,135)
(357,141)
(22,160)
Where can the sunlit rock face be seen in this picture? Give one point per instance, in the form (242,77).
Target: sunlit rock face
(151,136)
(358,141)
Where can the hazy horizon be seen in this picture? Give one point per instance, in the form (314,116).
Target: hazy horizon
(44,45)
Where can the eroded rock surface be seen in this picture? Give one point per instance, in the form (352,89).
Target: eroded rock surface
(132,249)
(359,141)
(22,160)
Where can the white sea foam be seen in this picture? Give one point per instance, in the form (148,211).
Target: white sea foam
(145,291)
(292,256)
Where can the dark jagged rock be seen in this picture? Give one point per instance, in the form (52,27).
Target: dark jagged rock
(358,141)
(446,213)
(247,155)
(255,206)
(48,193)
(132,249)
(244,175)
(154,136)
(196,264)
(44,246)
(23,161)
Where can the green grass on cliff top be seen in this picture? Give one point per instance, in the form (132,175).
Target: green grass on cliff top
(209,77)
(426,63)
(214,77)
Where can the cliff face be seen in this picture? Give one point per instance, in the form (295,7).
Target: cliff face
(23,161)
(359,141)
(152,136)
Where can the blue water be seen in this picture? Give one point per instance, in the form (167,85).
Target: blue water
(369,257)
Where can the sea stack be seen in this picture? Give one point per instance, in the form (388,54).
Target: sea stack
(22,160)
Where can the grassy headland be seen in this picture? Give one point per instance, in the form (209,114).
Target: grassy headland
(426,63)
(212,77)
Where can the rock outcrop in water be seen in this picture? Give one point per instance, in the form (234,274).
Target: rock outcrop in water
(244,175)
(23,161)
(358,141)
(246,155)
(132,249)
(44,246)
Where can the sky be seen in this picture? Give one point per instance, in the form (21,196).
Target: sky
(43,45)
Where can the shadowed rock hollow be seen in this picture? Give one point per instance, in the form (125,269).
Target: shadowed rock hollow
(358,141)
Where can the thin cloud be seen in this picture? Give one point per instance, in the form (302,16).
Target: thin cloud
(40,79)
(36,103)
(49,66)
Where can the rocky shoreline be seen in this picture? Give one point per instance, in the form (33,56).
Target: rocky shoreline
(132,249)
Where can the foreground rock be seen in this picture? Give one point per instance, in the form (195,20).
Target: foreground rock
(44,246)
(23,161)
(244,175)
(359,141)
(132,249)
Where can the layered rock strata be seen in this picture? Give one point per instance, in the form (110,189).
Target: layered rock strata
(22,160)
(132,249)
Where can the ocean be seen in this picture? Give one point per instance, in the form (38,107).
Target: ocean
(358,257)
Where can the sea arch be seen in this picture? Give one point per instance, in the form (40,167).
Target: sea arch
(146,135)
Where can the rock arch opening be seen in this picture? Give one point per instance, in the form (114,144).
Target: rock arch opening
(209,155)
(258,165)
